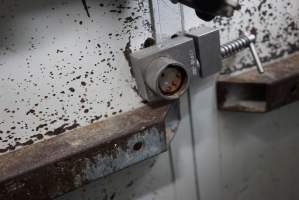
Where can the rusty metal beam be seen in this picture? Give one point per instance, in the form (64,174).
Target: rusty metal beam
(53,167)
(253,92)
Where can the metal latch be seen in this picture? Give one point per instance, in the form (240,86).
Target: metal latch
(164,71)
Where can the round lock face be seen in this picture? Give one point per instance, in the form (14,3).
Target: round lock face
(171,80)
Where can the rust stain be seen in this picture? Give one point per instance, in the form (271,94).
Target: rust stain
(50,168)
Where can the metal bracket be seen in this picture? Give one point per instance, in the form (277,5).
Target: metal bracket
(59,165)
(259,93)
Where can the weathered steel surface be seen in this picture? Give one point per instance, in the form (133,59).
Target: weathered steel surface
(253,92)
(53,167)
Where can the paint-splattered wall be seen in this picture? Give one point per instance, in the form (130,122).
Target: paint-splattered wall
(42,42)
(275,22)
(60,68)
(236,156)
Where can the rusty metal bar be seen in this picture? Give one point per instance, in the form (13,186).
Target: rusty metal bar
(53,167)
(254,92)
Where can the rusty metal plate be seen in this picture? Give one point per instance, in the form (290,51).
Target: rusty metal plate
(53,167)
(254,92)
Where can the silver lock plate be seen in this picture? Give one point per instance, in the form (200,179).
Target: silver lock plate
(164,71)
(207,45)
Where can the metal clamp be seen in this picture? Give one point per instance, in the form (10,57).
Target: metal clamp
(164,71)
(240,44)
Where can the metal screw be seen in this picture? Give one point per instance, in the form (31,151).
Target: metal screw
(240,44)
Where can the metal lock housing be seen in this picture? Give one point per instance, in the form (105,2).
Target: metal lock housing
(163,71)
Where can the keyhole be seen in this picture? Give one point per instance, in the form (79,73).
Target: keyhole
(172,80)
(138,146)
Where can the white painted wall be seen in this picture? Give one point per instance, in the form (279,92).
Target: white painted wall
(60,69)
(274,22)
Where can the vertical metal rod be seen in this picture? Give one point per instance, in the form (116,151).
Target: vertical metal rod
(193,142)
(153,20)
(182,18)
(189,98)
(156,17)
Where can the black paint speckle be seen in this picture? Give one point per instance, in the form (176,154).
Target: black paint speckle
(68,65)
